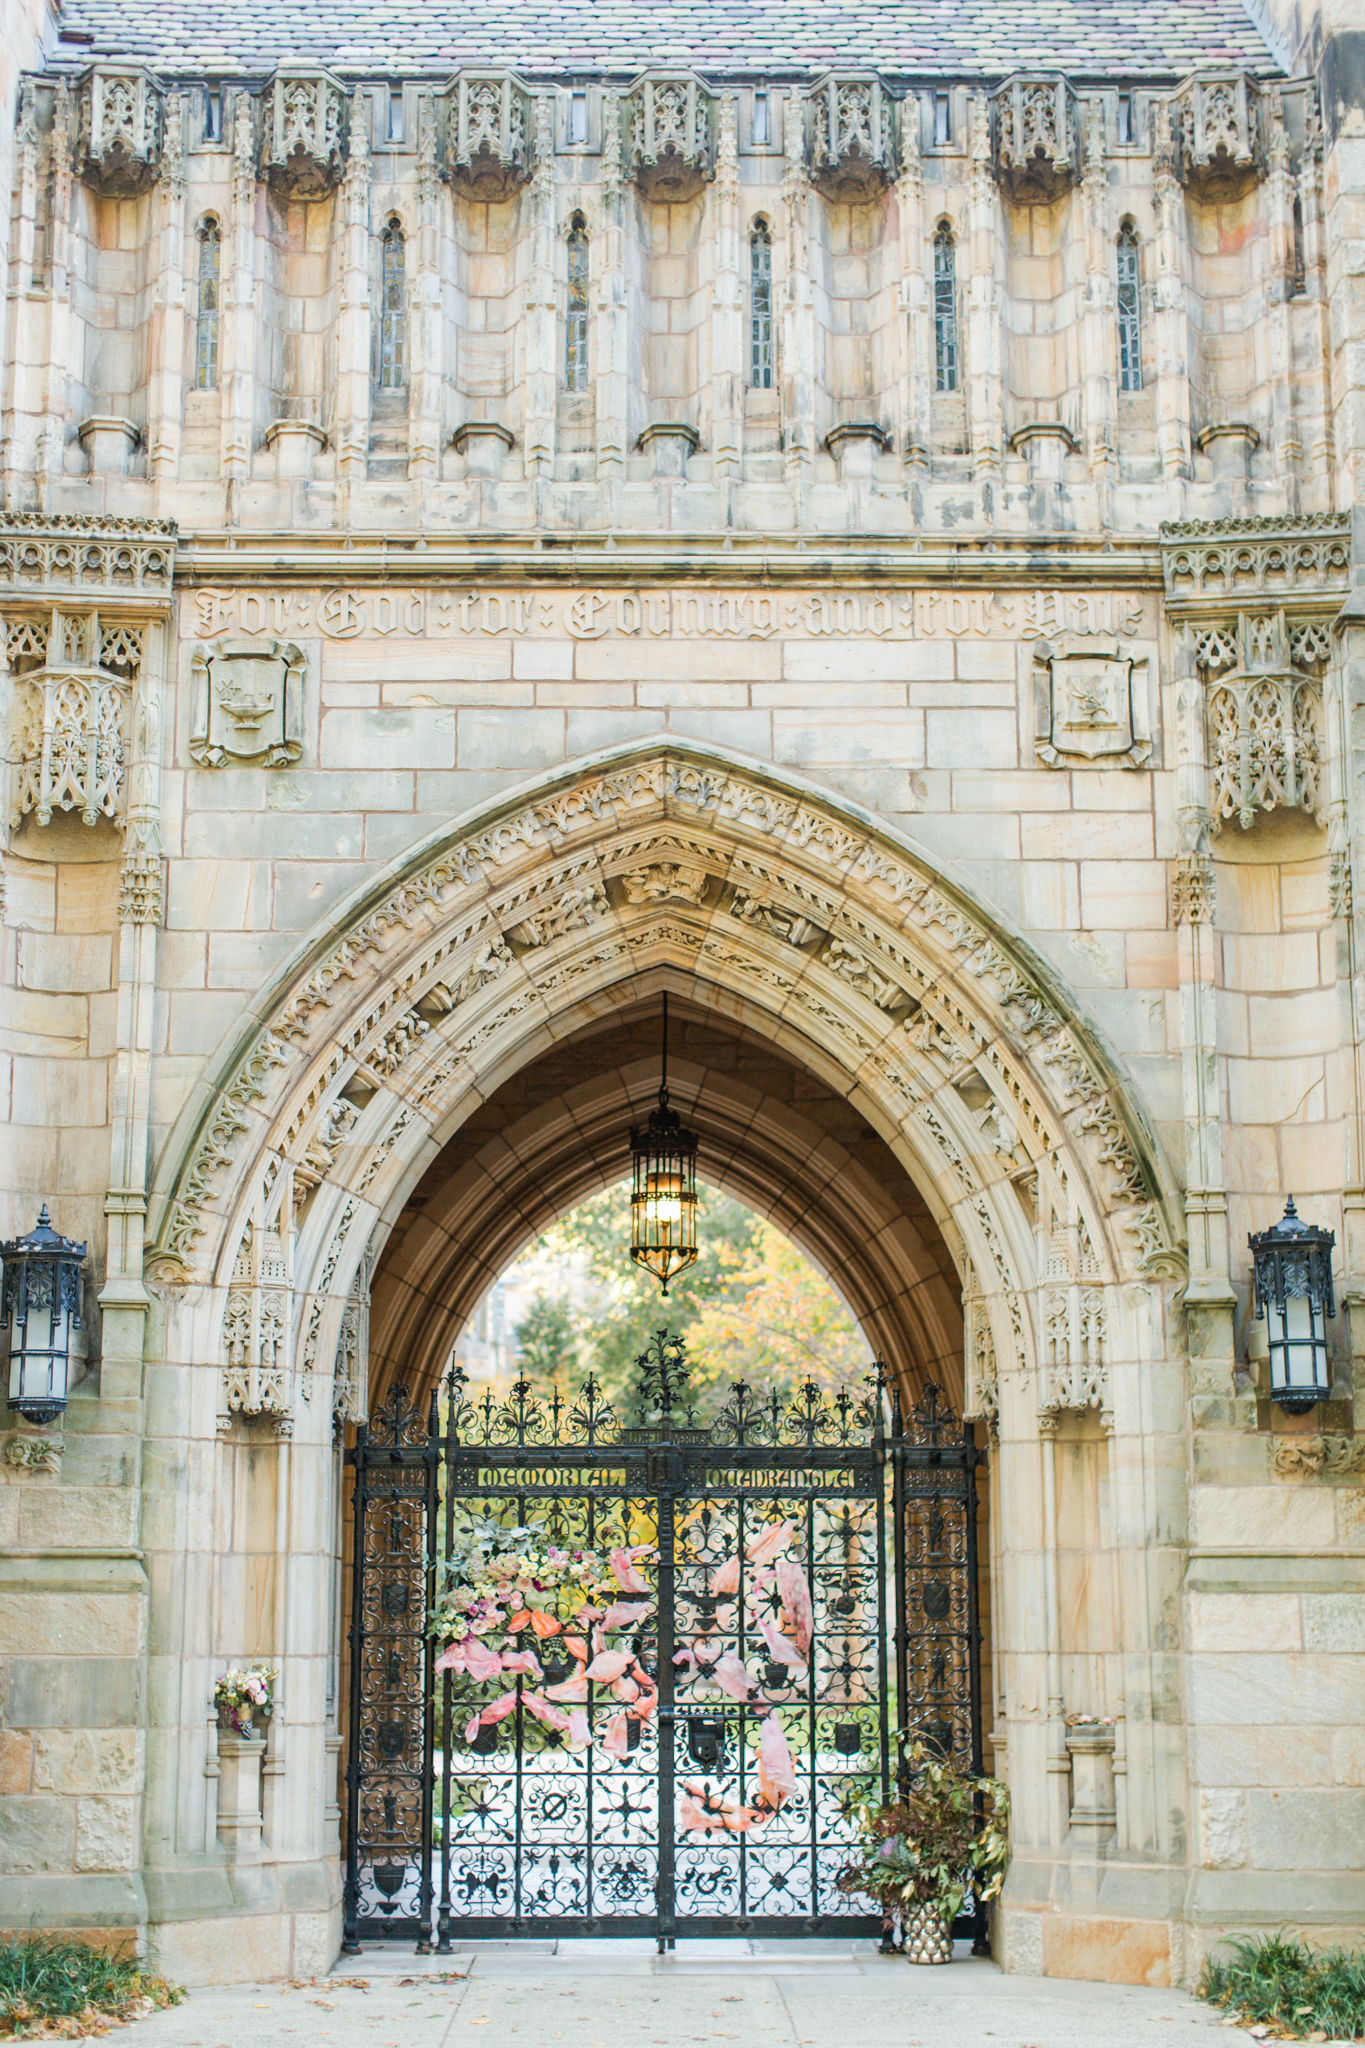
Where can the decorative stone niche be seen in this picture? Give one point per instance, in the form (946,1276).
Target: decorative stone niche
(294,443)
(109,443)
(305,132)
(122,118)
(488,124)
(1262,677)
(484,445)
(1229,445)
(855,446)
(1036,130)
(1218,133)
(850,136)
(670,123)
(72,680)
(247,704)
(670,442)
(1045,445)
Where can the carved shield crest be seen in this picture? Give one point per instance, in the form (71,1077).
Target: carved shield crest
(248,703)
(1091,703)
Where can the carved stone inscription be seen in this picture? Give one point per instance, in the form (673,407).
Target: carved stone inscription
(649,614)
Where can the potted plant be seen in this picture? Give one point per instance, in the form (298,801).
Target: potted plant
(239,1696)
(920,1856)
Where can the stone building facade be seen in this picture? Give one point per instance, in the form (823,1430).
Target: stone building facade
(857,528)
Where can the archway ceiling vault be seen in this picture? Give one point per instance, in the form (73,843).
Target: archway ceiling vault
(762,899)
(771,1134)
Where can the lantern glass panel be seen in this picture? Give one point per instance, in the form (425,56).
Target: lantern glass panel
(663,1210)
(1293,1287)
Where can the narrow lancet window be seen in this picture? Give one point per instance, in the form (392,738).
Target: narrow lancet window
(761,308)
(1130,323)
(945,310)
(1298,272)
(393,354)
(206,325)
(576,326)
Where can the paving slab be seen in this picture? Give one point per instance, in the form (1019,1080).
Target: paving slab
(622,1994)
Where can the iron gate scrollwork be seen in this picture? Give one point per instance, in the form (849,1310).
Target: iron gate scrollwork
(700,1640)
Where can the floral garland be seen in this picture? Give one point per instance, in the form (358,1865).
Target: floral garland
(509,1593)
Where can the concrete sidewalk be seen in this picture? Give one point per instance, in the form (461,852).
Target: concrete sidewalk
(622,1995)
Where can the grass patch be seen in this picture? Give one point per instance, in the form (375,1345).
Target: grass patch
(1299,1993)
(54,1986)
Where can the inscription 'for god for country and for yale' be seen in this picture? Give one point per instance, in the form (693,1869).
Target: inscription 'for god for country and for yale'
(346,614)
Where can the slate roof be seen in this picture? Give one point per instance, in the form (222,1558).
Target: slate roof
(563,38)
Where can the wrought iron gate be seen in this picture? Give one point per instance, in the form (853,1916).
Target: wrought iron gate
(790,1596)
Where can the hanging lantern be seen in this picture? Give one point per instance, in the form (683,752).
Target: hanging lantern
(1292,1263)
(40,1307)
(663,1202)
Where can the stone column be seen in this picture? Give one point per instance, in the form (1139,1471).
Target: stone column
(166,336)
(238,373)
(542,313)
(798,312)
(23,330)
(1093,1816)
(1343,706)
(916,332)
(611,355)
(1209,1298)
(425,410)
(1317,379)
(728,368)
(55,356)
(1172,326)
(352,429)
(985,370)
(1343,184)
(1098,340)
(1274,256)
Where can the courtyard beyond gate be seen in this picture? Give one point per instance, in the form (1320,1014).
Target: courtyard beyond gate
(625,1677)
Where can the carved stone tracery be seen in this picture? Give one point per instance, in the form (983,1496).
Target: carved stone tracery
(305,131)
(73,676)
(671,129)
(851,136)
(488,149)
(122,118)
(1035,123)
(1219,131)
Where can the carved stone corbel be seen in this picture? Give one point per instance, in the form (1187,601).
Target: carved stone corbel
(306,131)
(850,136)
(488,151)
(122,121)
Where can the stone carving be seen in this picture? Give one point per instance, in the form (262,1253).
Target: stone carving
(572,909)
(671,128)
(305,132)
(351,1373)
(121,114)
(69,723)
(398,1045)
(666,881)
(492,960)
(1312,1457)
(1074,1348)
(142,888)
(1264,723)
(1218,134)
(1193,892)
(247,703)
(1090,703)
(319,1154)
(851,966)
(981,1371)
(851,136)
(46,552)
(1239,559)
(34,1453)
(488,126)
(683,790)
(1036,130)
(255,1375)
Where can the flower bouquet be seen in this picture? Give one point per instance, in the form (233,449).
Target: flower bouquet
(921,1856)
(240,1695)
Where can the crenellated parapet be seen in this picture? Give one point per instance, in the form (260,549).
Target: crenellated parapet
(670,129)
(850,136)
(488,134)
(121,111)
(304,131)
(1036,136)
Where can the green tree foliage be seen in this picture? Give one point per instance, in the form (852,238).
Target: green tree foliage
(751,1307)
(547,1344)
